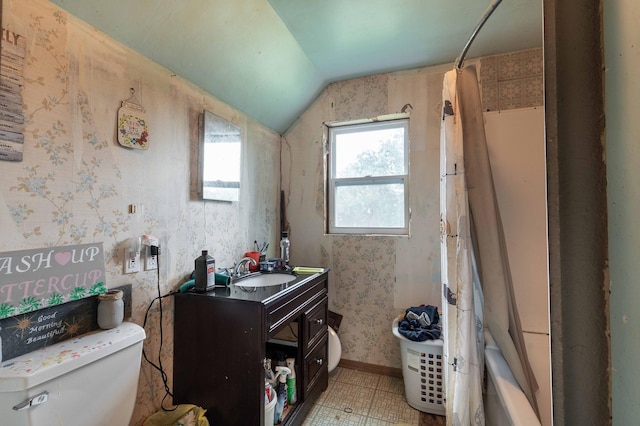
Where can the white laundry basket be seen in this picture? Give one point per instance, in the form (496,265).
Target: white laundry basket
(423,373)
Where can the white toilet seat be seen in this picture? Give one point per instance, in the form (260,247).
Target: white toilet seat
(335,350)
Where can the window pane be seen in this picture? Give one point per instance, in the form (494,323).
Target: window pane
(370,206)
(378,152)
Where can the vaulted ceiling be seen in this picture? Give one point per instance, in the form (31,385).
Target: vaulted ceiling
(270,59)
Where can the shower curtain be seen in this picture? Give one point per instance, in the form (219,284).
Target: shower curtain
(474,258)
(461,292)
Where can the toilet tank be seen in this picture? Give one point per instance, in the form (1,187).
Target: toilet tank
(87,380)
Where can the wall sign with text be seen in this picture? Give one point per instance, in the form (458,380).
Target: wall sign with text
(25,333)
(12,54)
(39,278)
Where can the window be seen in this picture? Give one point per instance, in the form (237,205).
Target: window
(368,177)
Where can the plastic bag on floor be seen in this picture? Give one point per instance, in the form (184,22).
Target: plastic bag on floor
(183,415)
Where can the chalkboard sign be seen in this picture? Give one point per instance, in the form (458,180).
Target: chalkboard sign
(26,333)
(38,278)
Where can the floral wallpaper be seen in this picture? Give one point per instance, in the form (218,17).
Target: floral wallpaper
(364,296)
(373,279)
(76,184)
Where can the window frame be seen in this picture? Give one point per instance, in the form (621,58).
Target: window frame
(333,183)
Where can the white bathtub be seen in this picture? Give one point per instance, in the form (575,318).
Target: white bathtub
(505,403)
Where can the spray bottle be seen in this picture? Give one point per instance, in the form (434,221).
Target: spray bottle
(268,373)
(281,393)
(292,396)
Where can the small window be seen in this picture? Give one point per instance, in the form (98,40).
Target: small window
(368,177)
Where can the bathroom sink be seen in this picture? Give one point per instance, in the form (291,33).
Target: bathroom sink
(265,280)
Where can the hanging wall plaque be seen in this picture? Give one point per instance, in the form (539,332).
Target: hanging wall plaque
(12,53)
(133,128)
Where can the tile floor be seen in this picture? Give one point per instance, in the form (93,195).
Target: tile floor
(357,398)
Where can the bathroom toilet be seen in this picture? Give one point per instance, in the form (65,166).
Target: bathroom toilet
(87,380)
(335,350)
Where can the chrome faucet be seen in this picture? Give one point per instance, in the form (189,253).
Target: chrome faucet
(242,268)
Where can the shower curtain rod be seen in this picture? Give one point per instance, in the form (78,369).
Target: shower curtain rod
(483,19)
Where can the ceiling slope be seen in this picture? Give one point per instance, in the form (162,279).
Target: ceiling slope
(270,59)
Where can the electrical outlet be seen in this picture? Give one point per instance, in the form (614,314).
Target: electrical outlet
(151,260)
(131,261)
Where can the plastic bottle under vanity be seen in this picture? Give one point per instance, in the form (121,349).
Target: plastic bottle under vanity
(292,396)
(285,247)
(268,373)
(205,272)
(281,393)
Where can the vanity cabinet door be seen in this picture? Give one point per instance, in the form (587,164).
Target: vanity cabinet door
(315,323)
(315,347)
(315,368)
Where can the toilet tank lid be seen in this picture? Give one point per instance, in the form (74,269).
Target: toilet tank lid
(33,368)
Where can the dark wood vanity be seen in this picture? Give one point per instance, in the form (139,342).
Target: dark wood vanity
(222,337)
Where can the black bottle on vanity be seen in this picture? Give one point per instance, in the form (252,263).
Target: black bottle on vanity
(205,272)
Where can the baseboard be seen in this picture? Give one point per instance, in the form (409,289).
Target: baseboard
(370,368)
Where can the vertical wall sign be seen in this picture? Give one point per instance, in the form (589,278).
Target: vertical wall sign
(35,279)
(133,128)
(12,52)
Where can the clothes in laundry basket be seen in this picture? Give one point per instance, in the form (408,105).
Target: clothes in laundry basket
(420,323)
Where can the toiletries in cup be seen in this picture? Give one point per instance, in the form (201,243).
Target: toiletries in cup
(255,255)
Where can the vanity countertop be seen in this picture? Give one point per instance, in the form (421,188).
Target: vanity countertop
(260,294)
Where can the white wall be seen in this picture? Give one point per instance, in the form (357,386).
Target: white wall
(515,140)
(622,107)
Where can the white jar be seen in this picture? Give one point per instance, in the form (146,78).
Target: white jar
(110,309)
